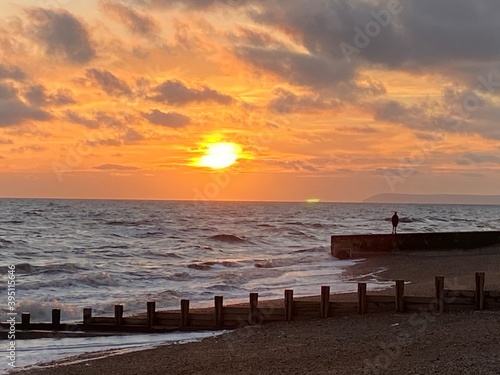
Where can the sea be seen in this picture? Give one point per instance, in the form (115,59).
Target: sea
(72,254)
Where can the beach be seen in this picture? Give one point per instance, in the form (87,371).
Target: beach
(377,343)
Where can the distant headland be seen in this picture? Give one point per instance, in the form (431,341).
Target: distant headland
(434,198)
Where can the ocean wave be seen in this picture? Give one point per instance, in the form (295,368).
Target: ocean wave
(5,243)
(225,288)
(127,223)
(179,276)
(204,266)
(150,233)
(201,266)
(12,222)
(229,238)
(407,220)
(104,247)
(295,232)
(319,249)
(94,280)
(162,254)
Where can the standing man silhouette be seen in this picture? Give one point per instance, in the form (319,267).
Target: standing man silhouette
(395,221)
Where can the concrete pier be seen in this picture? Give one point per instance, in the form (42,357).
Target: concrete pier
(351,246)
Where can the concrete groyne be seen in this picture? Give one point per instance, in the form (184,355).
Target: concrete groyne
(350,246)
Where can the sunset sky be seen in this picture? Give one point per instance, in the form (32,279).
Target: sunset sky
(335,100)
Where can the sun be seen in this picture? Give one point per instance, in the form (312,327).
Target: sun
(220,155)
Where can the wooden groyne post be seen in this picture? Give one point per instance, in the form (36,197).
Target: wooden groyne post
(219,311)
(150,314)
(325,301)
(400,295)
(253,309)
(288,305)
(439,282)
(25,320)
(56,318)
(479,296)
(362,305)
(184,313)
(87,315)
(118,315)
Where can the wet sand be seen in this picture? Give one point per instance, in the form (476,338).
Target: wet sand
(377,343)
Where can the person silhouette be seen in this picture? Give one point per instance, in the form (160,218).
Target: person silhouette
(395,221)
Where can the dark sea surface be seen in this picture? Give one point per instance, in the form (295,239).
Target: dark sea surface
(71,254)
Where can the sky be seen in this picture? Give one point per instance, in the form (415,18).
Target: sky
(336,100)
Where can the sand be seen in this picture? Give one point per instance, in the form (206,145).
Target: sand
(377,343)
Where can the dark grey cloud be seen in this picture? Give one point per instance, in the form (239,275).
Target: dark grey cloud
(13,111)
(7,91)
(116,167)
(139,23)
(450,36)
(421,116)
(170,119)
(76,118)
(285,102)
(449,30)
(37,95)
(97,120)
(435,120)
(11,72)
(193,4)
(109,82)
(177,93)
(298,68)
(61,34)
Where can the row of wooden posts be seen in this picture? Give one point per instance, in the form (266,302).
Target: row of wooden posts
(230,317)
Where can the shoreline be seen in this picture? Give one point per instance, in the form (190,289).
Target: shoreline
(242,351)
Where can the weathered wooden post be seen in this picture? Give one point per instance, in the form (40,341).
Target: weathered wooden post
(288,305)
(87,315)
(25,320)
(479,291)
(219,313)
(325,301)
(118,315)
(400,292)
(362,305)
(150,314)
(184,312)
(253,312)
(56,318)
(440,294)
